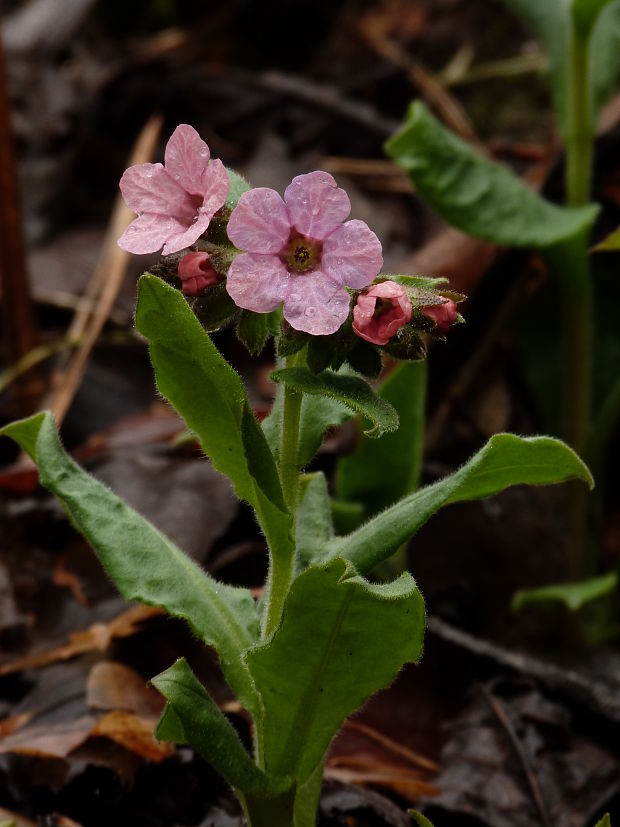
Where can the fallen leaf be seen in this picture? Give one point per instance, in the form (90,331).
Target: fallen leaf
(134,733)
(114,686)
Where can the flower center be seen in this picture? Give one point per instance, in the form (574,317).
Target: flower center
(301,254)
(381,307)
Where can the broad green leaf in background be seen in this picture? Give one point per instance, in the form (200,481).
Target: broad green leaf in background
(340,640)
(586,12)
(210,733)
(144,565)
(318,415)
(504,461)
(314,522)
(551,22)
(573,595)
(379,472)
(352,391)
(209,395)
(238,185)
(476,195)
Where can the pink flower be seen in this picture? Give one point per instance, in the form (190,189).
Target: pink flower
(196,273)
(299,252)
(444,314)
(175,202)
(380,311)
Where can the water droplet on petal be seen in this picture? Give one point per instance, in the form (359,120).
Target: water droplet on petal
(149,173)
(310,311)
(294,297)
(203,152)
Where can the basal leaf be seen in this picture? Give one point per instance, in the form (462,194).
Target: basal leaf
(209,395)
(144,565)
(314,522)
(379,472)
(351,391)
(504,461)
(476,195)
(573,595)
(340,640)
(210,733)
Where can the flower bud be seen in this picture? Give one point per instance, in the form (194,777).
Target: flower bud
(196,273)
(444,315)
(380,311)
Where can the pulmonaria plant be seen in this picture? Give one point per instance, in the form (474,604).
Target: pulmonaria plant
(324,637)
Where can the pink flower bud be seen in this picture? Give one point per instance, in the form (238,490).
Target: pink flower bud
(196,273)
(444,314)
(380,311)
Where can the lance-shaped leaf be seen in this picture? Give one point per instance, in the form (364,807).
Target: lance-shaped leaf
(351,391)
(209,395)
(340,640)
(504,461)
(379,472)
(476,195)
(573,595)
(144,565)
(209,732)
(318,415)
(314,520)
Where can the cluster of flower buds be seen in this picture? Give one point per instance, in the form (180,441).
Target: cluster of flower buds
(297,252)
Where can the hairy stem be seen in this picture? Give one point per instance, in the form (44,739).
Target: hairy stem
(579,139)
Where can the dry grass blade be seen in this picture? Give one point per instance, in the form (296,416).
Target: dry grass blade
(104,286)
(392,746)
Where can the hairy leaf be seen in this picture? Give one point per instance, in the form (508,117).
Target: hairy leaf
(210,733)
(310,681)
(210,396)
(351,391)
(314,523)
(144,565)
(379,472)
(238,185)
(476,195)
(504,461)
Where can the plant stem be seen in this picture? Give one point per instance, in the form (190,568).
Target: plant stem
(269,812)
(580,133)
(282,568)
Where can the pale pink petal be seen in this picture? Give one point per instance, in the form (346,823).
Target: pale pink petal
(216,186)
(183,236)
(257,282)
(444,315)
(148,188)
(316,204)
(379,327)
(147,234)
(259,223)
(196,268)
(187,157)
(316,304)
(352,254)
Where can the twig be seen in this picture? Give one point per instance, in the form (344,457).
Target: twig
(444,103)
(393,746)
(502,716)
(103,288)
(17,311)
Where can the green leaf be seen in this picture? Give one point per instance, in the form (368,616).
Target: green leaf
(318,415)
(420,819)
(476,195)
(170,727)
(340,640)
(586,12)
(351,391)
(314,524)
(254,329)
(209,395)
(238,185)
(573,595)
(210,733)
(365,359)
(504,461)
(261,463)
(291,341)
(346,516)
(144,565)
(610,243)
(379,472)
(551,22)
(604,822)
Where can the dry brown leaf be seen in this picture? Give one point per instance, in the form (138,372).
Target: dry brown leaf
(393,746)
(49,740)
(134,733)
(96,638)
(10,725)
(114,686)
(402,783)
